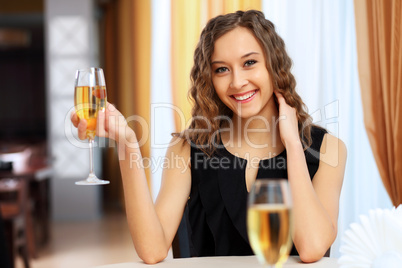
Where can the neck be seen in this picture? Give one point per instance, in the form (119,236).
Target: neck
(259,130)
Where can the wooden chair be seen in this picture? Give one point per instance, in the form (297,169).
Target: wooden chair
(25,164)
(14,211)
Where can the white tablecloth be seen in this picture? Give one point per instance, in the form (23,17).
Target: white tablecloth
(223,262)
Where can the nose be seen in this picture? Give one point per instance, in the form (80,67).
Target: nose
(239,80)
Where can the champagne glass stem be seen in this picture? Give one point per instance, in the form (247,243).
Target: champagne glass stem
(91,158)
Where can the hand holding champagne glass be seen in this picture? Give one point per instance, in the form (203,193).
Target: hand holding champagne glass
(269,221)
(89,99)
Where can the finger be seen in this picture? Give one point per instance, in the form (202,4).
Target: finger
(281,100)
(279,96)
(74,119)
(110,115)
(82,128)
(110,107)
(100,130)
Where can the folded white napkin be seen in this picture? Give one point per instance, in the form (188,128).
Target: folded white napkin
(374,242)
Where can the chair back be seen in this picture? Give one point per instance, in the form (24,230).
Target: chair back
(13,198)
(17,156)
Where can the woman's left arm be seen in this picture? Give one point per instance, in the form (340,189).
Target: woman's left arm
(315,202)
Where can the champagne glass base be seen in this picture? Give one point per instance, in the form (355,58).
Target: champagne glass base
(92,180)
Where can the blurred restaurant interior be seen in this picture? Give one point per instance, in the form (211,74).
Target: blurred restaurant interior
(145,49)
(38,59)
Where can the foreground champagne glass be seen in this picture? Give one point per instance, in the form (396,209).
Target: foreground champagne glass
(89,99)
(269,221)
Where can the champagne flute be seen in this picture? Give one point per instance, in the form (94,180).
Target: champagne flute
(269,221)
(89,99)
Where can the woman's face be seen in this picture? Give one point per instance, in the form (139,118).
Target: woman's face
(239,74)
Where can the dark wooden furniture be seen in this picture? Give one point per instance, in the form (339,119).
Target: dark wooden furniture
(15,214)
(29,163)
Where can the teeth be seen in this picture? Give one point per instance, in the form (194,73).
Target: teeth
(247,96)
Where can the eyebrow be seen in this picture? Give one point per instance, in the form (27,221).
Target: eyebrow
(242,57)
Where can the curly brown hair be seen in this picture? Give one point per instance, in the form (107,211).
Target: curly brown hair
(209,113)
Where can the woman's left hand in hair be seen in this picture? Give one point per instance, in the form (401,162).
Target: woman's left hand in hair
(287,121)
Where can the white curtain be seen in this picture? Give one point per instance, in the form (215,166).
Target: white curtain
(162,122)
(320,38)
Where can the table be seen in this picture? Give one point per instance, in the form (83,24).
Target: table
(223,262)
(30,163)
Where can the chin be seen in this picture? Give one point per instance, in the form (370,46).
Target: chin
(247,114)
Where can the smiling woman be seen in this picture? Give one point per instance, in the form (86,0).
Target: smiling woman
(248,62)
(241,78)
(241,81)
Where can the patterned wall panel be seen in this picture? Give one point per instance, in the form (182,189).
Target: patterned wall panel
(70,46)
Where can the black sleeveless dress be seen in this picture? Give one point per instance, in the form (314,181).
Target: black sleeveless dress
(217,206)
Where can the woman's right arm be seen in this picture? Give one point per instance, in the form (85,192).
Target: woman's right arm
(152,226)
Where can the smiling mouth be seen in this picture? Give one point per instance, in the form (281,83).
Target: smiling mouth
(244,96)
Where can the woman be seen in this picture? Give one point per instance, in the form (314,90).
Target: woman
(248,123)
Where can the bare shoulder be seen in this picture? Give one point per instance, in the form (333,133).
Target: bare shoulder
(329,176)
(178,147)
(177,160)
(333,151)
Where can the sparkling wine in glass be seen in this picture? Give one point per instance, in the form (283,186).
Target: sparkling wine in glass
(269,221)
(89,99)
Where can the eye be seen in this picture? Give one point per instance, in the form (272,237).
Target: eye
(250,63)
(221,70)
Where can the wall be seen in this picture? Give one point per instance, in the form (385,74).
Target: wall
(71,43)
